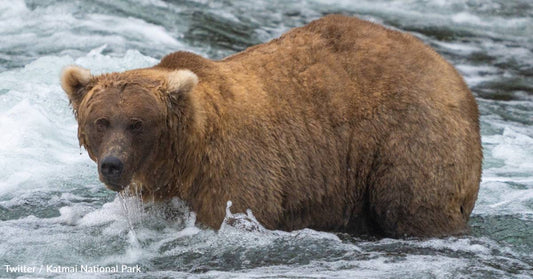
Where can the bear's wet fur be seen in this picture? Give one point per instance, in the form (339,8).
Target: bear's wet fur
(340,125)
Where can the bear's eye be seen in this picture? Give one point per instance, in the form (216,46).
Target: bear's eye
(101,124)
(136,125)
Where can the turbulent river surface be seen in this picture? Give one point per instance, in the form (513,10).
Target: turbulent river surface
(54,213)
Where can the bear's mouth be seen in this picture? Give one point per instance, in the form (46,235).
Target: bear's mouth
(115,186)
(114,183)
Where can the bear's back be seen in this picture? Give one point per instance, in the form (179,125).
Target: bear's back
(399,116)
(333,124)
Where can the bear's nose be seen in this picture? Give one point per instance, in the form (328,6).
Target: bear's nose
(111,167)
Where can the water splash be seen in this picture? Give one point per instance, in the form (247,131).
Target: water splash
(240,221)
(133,209)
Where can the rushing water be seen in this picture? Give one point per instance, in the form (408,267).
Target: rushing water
(54,211)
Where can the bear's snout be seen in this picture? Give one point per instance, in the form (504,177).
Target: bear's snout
(111,169)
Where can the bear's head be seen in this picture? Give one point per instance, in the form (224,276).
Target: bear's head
(131,122)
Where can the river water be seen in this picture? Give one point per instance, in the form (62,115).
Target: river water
(55,213)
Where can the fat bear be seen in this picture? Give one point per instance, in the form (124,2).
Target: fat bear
(341,125)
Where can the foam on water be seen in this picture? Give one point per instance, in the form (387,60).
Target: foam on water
(56,28)
(53,209)
(507,178)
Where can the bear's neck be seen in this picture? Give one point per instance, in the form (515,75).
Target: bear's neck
(180,165)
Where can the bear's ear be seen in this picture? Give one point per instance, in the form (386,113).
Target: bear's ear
(74,81)
(180,83)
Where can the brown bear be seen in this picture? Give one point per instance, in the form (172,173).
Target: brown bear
(340,125)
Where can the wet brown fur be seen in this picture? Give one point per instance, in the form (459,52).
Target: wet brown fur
(340,125)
